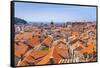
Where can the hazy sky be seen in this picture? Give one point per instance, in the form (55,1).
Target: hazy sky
(58,13)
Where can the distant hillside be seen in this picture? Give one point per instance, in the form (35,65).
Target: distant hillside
(20,21)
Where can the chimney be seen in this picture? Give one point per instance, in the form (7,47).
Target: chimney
(51,60)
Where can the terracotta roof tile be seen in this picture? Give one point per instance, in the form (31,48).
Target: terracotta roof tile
(48,40)
(20,49)
(33,56)
(33,41)
(24,35)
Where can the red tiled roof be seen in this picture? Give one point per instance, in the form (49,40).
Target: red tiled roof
(20,49)
(90,48)
(33,41)
(33,56)
(62,49)
(55,53)
(24,35)
(48,40)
